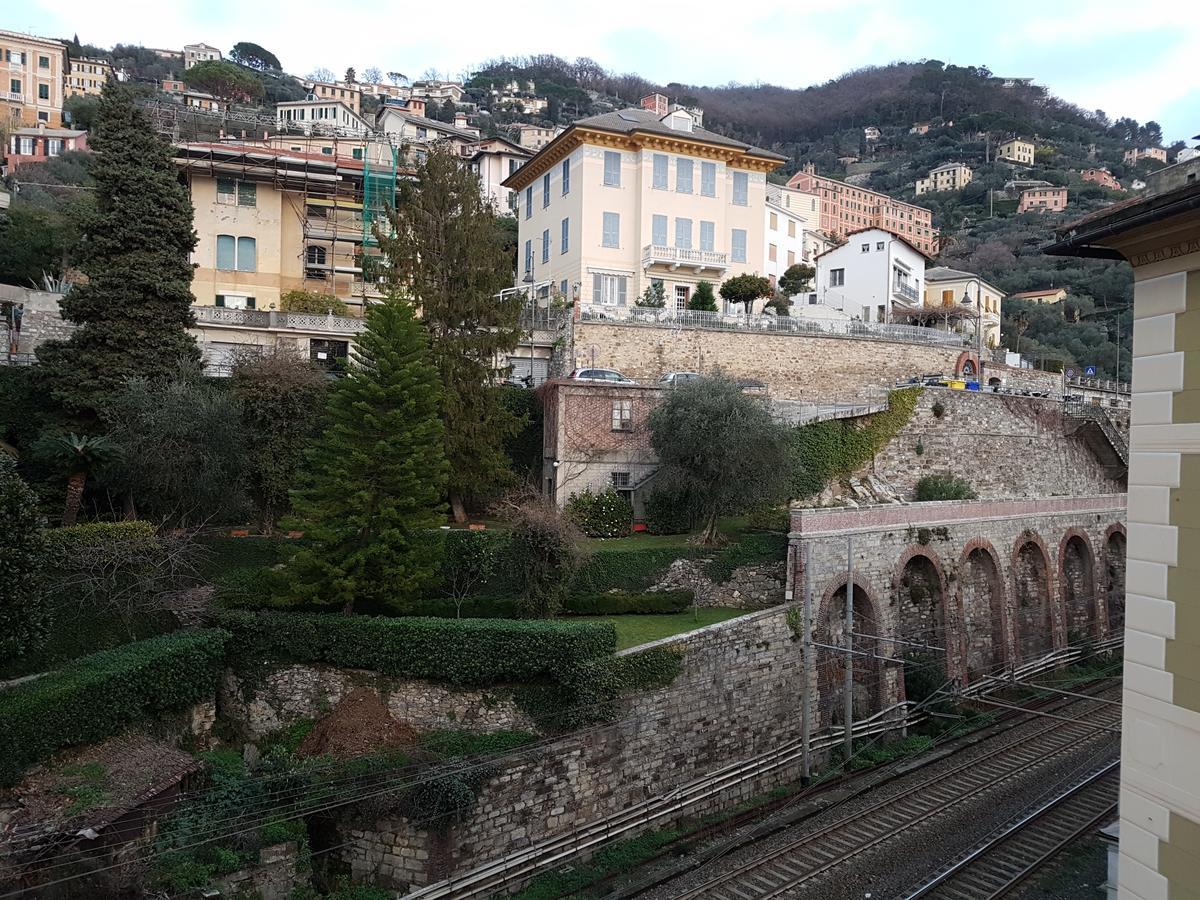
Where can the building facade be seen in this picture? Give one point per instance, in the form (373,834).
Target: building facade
(623,201)
(1159,235)
(535,137)
(846,208)
(946,289)
(1044,295)
(1102,177)
(1043,199)
(1137,154)
(494,160)
(87,76)
(1016,151)
(198,53)
(342,91)
(32,75)
(404,124)
(39,144)
(946,177)
(874,277)
(789,236)
(318,116)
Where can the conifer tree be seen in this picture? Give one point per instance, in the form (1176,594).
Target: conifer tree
(23,614)
(447,254)
(374,480)
(135,309)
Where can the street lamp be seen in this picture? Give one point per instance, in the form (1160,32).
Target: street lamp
(966,301)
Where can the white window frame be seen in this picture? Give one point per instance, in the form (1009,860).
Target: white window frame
(622,415)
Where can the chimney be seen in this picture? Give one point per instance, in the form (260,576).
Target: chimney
(656,103)
(416,106)
(460,120)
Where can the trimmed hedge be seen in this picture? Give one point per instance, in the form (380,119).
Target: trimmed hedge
(463,652)
(98,695)
(627,569)
(750,549)
(64,540)
(620,603)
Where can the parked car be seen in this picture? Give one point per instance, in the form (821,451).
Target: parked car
(677,378)
(612,376)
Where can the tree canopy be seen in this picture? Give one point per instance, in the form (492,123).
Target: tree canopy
(253,56)
(224,80)
(745,289)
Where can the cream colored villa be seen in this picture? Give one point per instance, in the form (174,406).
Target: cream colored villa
(953,176)
(625,199)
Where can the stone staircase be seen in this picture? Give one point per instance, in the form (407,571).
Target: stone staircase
(1104,439)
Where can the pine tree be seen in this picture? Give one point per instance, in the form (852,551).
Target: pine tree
(23,615)
(135,309)
(375,479)
(447,254)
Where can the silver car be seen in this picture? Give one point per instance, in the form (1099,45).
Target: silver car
(611,376)
(675,379)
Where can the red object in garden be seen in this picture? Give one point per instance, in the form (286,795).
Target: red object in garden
(639,526)
(474,527)
(239,532)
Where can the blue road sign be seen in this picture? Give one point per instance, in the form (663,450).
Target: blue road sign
(1089,371)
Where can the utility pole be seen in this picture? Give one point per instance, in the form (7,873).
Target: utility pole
(848,687)
(805,686)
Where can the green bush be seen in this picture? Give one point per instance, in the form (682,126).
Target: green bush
(313,302)
(944,487)
(545,551)
(749,550)
(603,515)
(96,696)
(769,518)
(669,512)
(625,568)
(65,540)
(618,603)
(465,652)
(23,556)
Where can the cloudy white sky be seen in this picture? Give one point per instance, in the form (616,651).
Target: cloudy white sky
(1135,59)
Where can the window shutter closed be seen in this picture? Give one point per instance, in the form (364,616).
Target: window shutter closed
(596,288)
(622,283)
(658,225)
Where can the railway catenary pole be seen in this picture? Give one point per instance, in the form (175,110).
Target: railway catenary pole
(809,669)
(848,686)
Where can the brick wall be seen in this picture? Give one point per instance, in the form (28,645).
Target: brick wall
(663,739)
(794,367)
(1004,446)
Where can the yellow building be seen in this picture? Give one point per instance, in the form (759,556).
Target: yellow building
(271,221)
(1160,733)
(946,177)
(1016,150)
(627,200)
(87,76)
(344,91)
(946,289)
(32,70)
(1044,295)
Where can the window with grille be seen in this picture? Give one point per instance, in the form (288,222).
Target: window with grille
(622,415)
(620,479)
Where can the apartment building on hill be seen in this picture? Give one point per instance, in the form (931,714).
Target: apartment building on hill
(41,143)
(1102,177)
(876,276)
(32,71)
(792,230)
(316,115)
(494,160)
(343,91)
(86,75)
(1137,154)
(194,54)
(952,176)
(846,208)
(1043,199)
(626,199)
(1016,151)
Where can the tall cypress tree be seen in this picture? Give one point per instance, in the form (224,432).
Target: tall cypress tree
(447,253)
(375,479)
(134,310)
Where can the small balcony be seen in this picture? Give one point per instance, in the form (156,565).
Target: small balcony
(14,96)
(677,257)
(906,292)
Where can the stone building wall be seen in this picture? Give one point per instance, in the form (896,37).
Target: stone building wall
(1003,446)
(291,693)
(794,367)
(737,695)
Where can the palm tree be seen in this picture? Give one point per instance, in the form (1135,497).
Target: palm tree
(1020,324)
(78,455)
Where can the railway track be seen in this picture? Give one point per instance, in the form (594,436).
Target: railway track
(812,855)
(1005,860)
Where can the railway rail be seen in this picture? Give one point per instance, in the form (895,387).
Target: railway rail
(812,855)
(1003,861)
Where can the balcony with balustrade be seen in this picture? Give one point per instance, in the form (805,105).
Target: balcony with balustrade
(270,320)
(675,258)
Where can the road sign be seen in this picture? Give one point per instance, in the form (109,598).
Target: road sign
(1089,371)
(1070,373)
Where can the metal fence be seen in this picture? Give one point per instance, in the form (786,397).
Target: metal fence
(879,331)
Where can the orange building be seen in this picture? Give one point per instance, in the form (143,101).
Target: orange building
(1102,177)
(1043,199)
(846,208)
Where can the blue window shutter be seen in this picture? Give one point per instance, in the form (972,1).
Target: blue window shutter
(566,235)
(708,179)
(622,286)
(683,234)
(545,190)
(529,201)
(528,255)
(741,189)
(612,168)
(708,235)
(546,246)
(612,230)
(658,231)
(596,288)
(247,255)
(660,171)
(683,176)
(226,252)
(566,177)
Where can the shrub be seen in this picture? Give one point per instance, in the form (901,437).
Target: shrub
(625,568)
(23,552)
(750,549)
(669,511)
(769,518)
(703,299)
(298,301)
(469,559)
(618,603)
(600,515)
(545,547)
(464,652)
(944,487)
(96,696)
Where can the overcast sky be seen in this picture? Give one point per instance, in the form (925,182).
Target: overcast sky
(1136,59)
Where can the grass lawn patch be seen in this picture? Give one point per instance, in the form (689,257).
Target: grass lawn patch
(635,630)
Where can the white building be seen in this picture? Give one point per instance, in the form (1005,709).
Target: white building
(789,237)
(494,160)
(198,53)
(871,133)
(875,276)
(319,116)
(410,126)
(628,199)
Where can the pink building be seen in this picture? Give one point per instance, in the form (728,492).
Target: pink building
(1102,177)
(1043,199)
(846,208)
(41,143)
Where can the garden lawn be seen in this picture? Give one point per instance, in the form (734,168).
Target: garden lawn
(635,630)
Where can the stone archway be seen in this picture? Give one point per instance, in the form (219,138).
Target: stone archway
(982,601)
(1114,579)
(831,664)
(1033,616)
(1077,582)
(923,625)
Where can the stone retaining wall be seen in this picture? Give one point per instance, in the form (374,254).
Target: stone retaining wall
(735,696)
(749,587)
(296,692)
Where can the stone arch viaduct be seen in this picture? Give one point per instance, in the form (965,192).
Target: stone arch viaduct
(960,589)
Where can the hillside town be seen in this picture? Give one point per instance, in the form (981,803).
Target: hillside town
(544,482)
